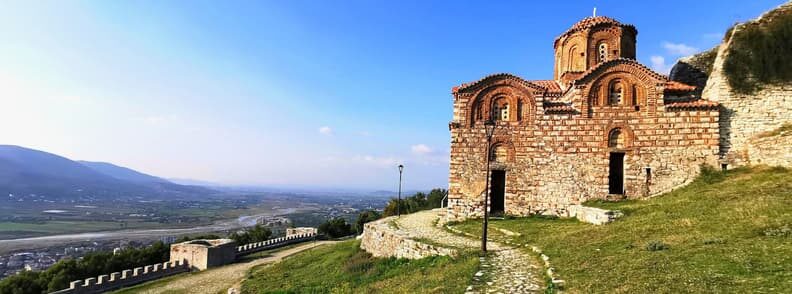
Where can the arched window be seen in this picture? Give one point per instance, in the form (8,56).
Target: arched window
(634,97)
(615,139)
(615,92)
(500,110)
(602,49)
(573,52)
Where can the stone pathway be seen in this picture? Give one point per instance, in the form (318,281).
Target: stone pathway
(505,270)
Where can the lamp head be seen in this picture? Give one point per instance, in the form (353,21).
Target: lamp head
(489,127)
(401,168)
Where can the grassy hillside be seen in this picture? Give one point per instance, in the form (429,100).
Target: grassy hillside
(344,268)
(726,232)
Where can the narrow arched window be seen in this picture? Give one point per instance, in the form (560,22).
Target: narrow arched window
(500,110)
(573,52)
(634,93)
(602,49)
(615,92)
(615,139)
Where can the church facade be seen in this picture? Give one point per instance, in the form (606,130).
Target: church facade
(605,127)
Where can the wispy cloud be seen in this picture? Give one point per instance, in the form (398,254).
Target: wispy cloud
(659,64)
(378,161)
(679,49)
(326,130)
(421,149)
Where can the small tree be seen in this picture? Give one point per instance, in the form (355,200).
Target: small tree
(336,228)
(364,217)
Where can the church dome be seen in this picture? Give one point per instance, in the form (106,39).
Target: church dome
(595,21)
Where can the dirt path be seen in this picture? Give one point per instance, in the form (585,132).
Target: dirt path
(505,270)
(219,280)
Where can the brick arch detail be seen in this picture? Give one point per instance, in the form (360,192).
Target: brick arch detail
(522,105)
(504,141)
(627,132)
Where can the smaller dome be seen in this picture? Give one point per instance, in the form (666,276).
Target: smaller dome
(593,21)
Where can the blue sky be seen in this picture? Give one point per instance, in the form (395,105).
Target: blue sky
(291,93)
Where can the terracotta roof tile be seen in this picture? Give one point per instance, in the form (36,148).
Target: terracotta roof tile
(677,86)
(552,86)
(592,21)
(620,60)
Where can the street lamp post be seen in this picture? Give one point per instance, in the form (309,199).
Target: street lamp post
(489,128)
(398,204)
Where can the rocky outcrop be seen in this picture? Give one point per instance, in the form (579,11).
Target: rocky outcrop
(744,117)
(593,215)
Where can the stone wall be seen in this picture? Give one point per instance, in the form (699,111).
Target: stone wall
(746,116)
(382,239)
(126,278)
(273,243)
(203,254)
(301,231)
(773,150)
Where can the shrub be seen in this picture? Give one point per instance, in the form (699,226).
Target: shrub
(256,234)
(656,246)
(364,217)
(759,53)
(336,228)
(358,263)
(419,201)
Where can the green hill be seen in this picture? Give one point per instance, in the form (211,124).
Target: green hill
(727,232)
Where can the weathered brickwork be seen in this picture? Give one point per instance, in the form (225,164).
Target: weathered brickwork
(555,139)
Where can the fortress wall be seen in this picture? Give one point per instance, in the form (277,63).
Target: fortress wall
(746,117)
(272,244)
(382,239)
(126,278)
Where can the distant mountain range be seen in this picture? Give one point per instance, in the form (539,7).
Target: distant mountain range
(26,171)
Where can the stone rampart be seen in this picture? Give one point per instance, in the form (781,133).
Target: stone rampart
(745,117)
(273,243)
(125,278)
(381,238)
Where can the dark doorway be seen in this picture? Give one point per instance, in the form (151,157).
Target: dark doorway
(497,192)
(616,174)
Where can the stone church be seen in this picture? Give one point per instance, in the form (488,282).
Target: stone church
(605,127)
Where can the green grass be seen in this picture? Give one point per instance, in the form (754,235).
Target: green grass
(345,268)
(727,232)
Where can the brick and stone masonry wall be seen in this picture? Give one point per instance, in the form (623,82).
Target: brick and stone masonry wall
(557,160)
(382,239)
(126,278)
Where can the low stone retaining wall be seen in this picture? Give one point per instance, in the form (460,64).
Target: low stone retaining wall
(383,239)
(592,215)
(126,278)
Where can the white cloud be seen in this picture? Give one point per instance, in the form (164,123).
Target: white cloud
(421,149)
(325,130)
(377,160)
(659,64)
(679,49)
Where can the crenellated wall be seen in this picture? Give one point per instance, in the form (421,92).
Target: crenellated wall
(125,278)
(273,243)
(212,253)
